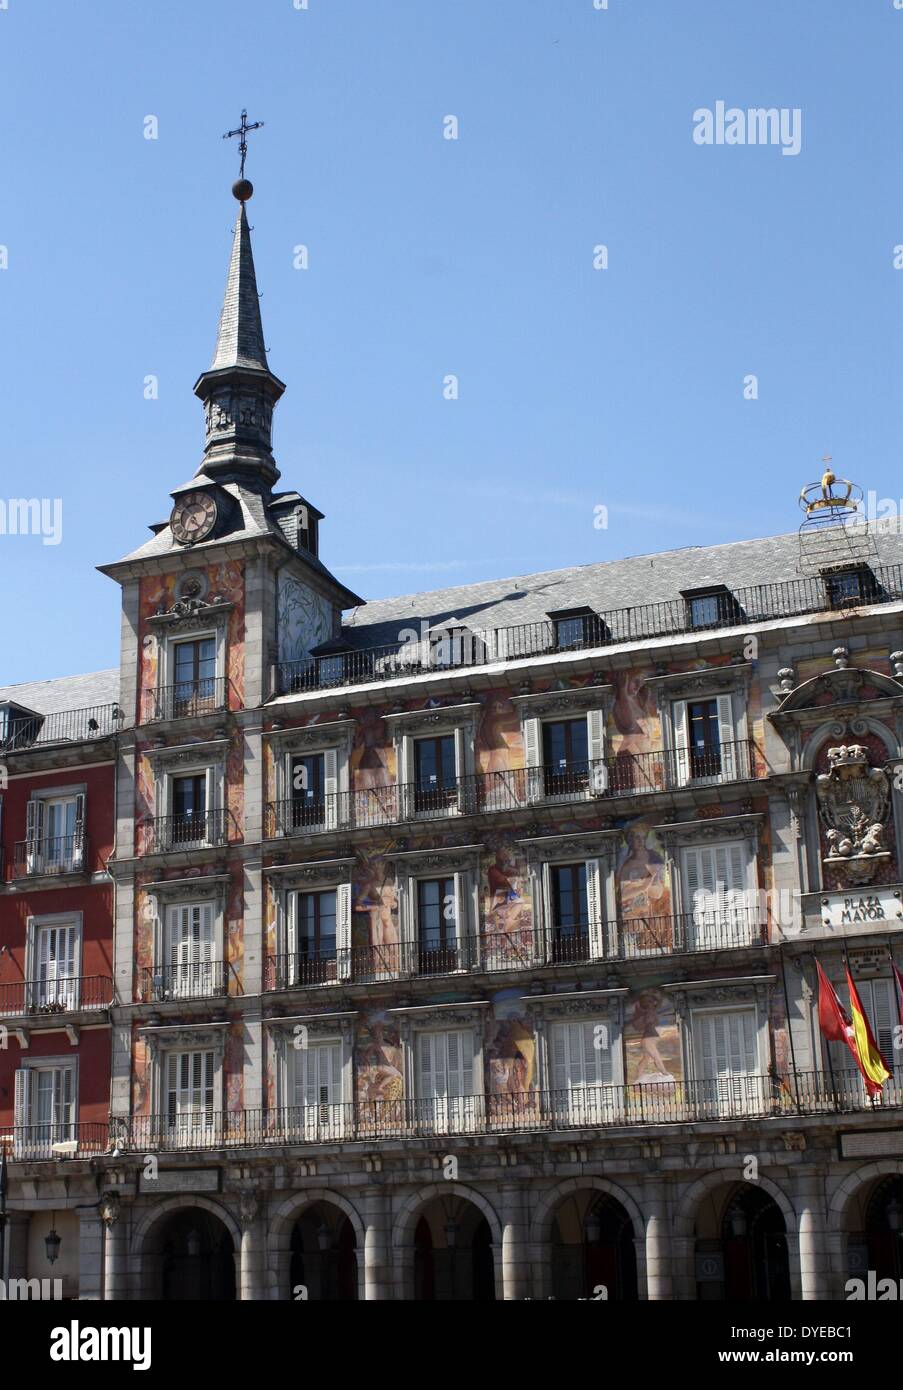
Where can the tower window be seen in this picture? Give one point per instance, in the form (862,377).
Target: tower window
(849,588)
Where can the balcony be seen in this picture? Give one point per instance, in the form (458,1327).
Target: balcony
(64,854)
(54,1140)
(188,699)
(171,834)
(46,997)
(204,979)
(627,939)
(66,726)
(726,1099)
(460,648)
(625,775)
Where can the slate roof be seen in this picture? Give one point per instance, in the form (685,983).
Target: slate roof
(612,584)
(239,342)
(65,693)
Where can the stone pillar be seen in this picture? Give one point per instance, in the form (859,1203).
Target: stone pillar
(250,1269)
(377,1238)
(114,1282)
(17,1226)
(515,1236)
(814,1269)
(659,1278)
(90,1254)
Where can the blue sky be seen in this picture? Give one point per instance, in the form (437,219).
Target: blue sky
(577,387)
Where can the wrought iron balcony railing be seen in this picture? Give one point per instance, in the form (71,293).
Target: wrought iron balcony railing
(166,834)
(725,1098)
(458,648)
(66,726)
(206,695)
(625,939)
(634,774)
(56,1139)
(199,979)
(63,854)
(63,994)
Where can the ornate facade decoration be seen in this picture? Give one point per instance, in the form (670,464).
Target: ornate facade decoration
(854,804)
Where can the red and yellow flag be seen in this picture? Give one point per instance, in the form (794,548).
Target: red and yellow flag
(872,1065)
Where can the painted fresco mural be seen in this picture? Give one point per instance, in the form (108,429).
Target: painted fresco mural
(304,618)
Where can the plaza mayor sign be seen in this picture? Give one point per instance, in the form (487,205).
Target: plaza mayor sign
(851,909)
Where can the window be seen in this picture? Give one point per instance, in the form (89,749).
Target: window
(578,627)
(565,756)
(570,913)
(317,1089)
(44,1106)
(445,1080)
(189,1096)
(582,1072)
(715,607)
(727,1063)
(189,809)
(315,937)
(330,670)
(308,790)
(704,740)
(716,883)
(188,969)
(879,1001)
(435,774)
(54,987)
(194,676)
(437,931)
(55,834)
(851,587)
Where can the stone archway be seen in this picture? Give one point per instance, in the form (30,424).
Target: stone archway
(337,1214)
(856,1210)
(447,1246)
(542,1234)
(717,1190)
(188,1254)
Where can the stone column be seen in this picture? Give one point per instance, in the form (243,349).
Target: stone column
(377,1238)
(90,1254)
(17,1226)
(659,1278)
(515,1236)
(250,1281)
(114,1284)
(814,1269)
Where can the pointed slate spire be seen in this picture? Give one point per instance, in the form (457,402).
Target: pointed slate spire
(239,390)
(239,342)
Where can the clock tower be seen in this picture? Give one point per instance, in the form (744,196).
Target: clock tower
(227,588)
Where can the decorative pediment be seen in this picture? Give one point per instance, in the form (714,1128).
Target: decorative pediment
(443,860)
(592,845)
(191,888)
(306,875)
(841,685)
(702,682)
(589,1003)
(204,752)
(312,738)
(675,833)
(570,701)
(191,615)
(700,994)
(425,721)
(162,1037)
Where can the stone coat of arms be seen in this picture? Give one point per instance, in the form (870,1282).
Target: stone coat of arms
(854,804)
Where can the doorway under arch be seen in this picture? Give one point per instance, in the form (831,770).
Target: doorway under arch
(453,1258)
(593,1248)
(189,1256)
(741,1247)
(323,1255)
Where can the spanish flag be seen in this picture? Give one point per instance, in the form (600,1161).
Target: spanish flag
(872,1065)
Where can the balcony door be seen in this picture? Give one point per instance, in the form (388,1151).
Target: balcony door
(188,963)
(55,834)
(44,1109)
(189,1098)
(55,986)
(194,677)
(716,882)
(565,757)
(583,1090)
(728,1081)
(189,809)
(435,775)
(318,1109)
(445,1081)
(704,747)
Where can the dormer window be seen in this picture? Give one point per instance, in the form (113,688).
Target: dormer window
(576,628)
(851,587)
(711,607)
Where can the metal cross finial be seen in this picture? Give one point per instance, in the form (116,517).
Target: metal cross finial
(243,142)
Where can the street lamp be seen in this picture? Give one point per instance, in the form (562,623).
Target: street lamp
(894,1214)
(52,1243)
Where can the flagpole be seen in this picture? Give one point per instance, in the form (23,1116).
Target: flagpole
(796,1080)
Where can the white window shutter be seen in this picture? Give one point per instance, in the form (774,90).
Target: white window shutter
(727,736)
(426,1078)
(533,758)
(560,1058)
(598,770)
(467,1051)
(343,930)
(78,834)
(291,931)
(34,835)
(597,1059)
(24,1097)
(880,1005)
(681,750)
(462,918)
(331,785)
(594,909)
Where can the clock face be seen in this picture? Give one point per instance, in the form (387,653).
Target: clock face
(193,517)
